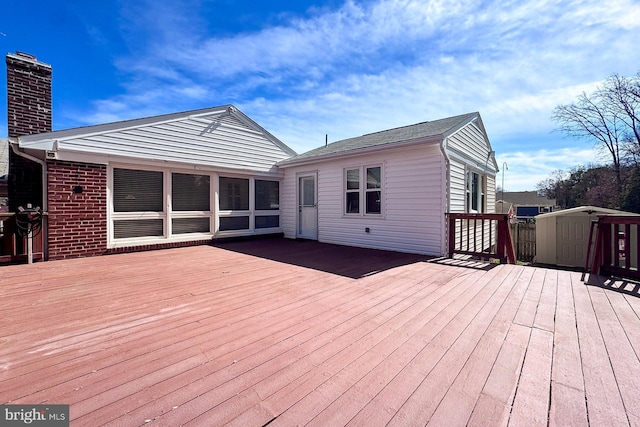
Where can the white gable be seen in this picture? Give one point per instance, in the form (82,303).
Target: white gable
(220,138)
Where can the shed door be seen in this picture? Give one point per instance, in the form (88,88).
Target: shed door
(572,238)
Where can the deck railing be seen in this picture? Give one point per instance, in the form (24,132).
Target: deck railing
(13,246)
(483,236)
(616,246)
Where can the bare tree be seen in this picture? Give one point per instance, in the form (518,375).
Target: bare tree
(591,117)
(622,94)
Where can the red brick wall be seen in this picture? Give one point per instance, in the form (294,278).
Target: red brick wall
(77,221)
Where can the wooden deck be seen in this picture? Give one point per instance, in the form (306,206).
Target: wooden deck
(297,333)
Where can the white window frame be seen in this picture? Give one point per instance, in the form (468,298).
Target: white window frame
(480,193)
(139,215)
(362,191)
(167,215)
(251,212)
(189,214)
(266,212)
(227,213)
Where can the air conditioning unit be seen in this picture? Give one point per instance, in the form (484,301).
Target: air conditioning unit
(52,155)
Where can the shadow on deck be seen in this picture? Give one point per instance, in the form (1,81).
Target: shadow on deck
(625,286)
(345,261)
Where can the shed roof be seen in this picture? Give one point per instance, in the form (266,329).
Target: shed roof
(419,132)
(585,209)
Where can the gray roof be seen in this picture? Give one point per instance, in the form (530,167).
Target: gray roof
(412,133)
(525,198)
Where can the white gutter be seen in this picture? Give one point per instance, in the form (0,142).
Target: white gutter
(14,147)
(444,242)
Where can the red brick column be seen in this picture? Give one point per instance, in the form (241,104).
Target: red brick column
(77,220)
(28,112)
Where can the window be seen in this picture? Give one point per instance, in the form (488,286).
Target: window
(267,195)
(138,203)
(475,192)
(267,198)
(190,203)
(234,199)
(367,193)
(228,223)
(190,192)
(128,228)
(353,191)
(373,191)
(190,225)
(267,221)
(137,191)
(153,206)
(234,194)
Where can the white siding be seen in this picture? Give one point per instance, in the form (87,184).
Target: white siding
(288,204)
(491,194)
(456,186)
(214,141)
(469,149)
(470,141)
(413,207)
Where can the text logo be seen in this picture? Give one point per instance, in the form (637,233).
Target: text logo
(34,415)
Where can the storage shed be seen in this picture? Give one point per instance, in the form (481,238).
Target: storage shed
(562,237)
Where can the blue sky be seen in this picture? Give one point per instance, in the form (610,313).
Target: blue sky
(303,69)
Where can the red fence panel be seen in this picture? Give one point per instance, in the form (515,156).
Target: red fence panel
(483,236)
(616,246)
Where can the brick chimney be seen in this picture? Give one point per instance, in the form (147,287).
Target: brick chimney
(28,95)
(28,112)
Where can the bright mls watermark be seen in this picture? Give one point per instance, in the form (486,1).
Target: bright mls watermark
(34,415)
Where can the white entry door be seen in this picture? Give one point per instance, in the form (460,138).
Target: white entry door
(307,207)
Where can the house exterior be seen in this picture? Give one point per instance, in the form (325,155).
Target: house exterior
(158,181)
(391,189)
(190,177)
(526,205)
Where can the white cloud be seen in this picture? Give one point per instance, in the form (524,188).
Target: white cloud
(368,66)
(524,169)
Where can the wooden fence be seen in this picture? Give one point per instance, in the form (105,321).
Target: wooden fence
(524,240)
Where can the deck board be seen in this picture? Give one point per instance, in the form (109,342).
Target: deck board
(568,406)
(604,401)
(462,396)
(286,332)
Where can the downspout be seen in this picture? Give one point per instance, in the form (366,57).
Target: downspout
(43,164)
(445,190)
(44,171)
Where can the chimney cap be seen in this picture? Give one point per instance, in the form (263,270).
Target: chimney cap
(26,55)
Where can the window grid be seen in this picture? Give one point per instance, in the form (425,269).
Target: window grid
(363,187)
